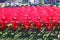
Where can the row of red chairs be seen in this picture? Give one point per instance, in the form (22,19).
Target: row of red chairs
(30,14)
